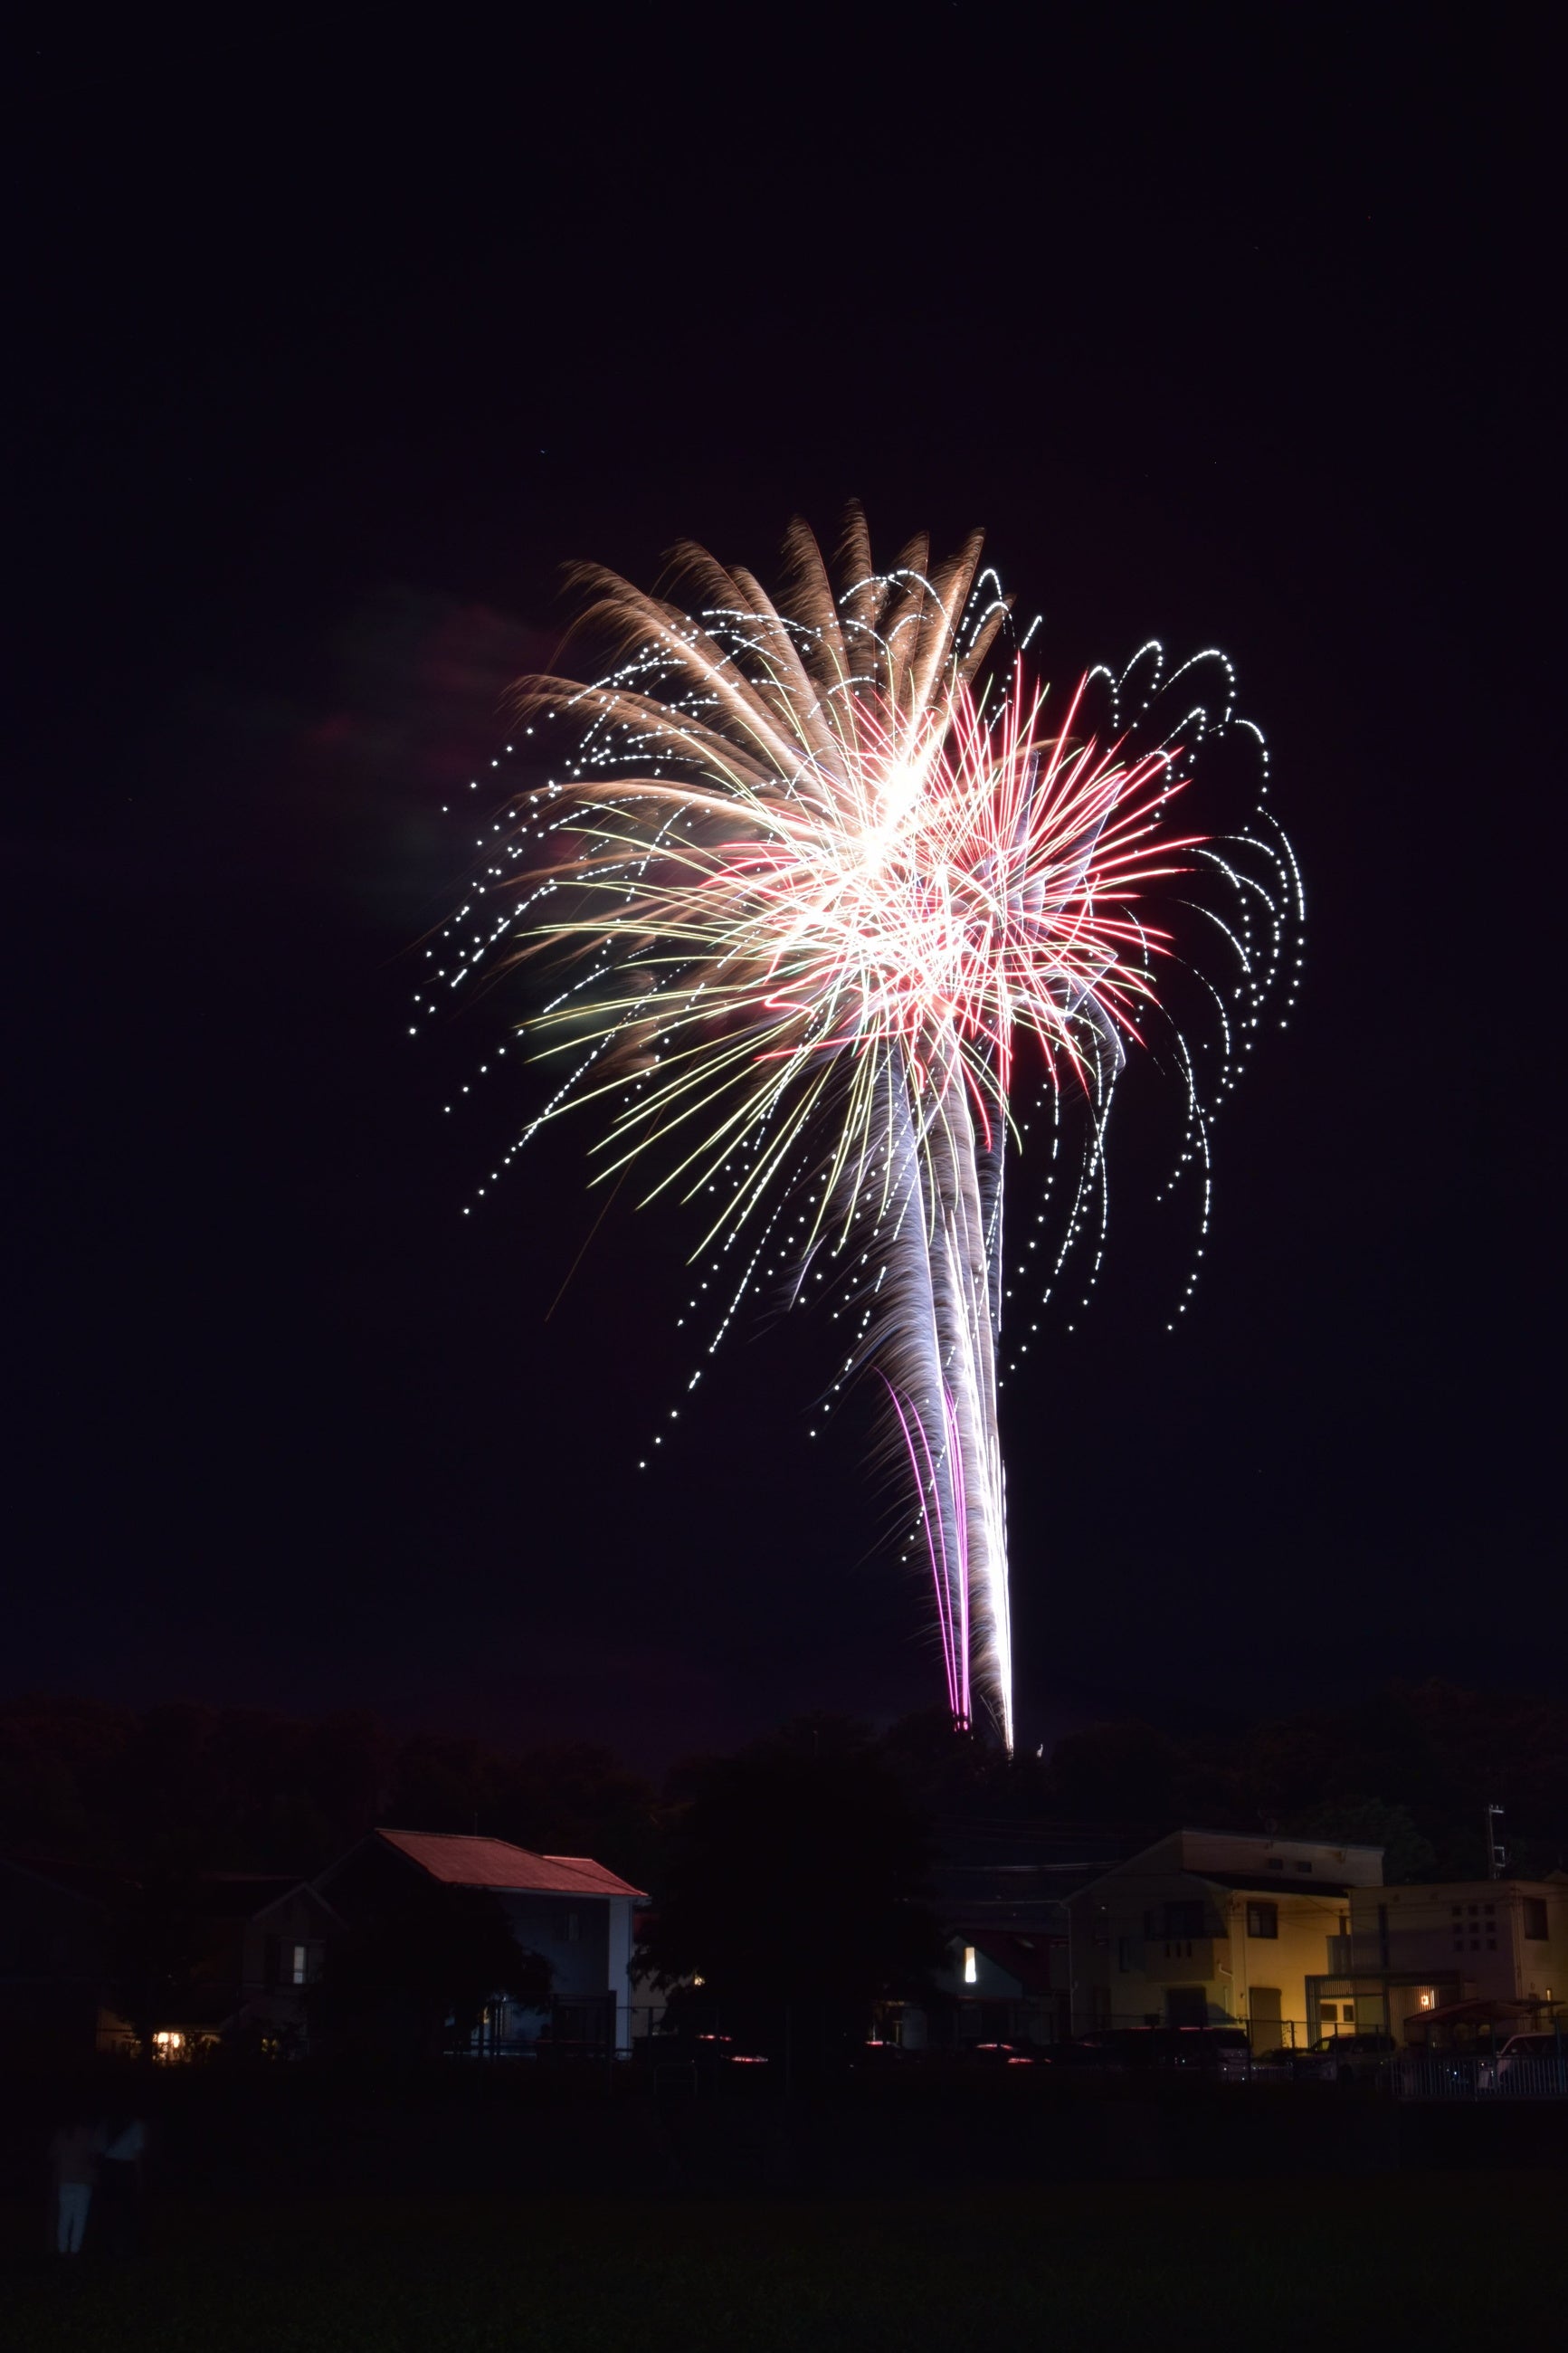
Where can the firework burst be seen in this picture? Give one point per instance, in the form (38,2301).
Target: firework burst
(833,887)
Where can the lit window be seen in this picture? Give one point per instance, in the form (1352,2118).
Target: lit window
(971,1966)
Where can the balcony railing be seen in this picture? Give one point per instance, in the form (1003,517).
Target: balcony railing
(1182,1956)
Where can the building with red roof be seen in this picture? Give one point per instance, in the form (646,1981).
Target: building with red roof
(570,1910)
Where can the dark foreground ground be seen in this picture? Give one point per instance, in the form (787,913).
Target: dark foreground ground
(1427,2262)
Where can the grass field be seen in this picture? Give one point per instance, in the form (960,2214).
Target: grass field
(1420,2260)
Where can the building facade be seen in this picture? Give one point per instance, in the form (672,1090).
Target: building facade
(570,1910)
(999,1887)
(1211,1928)
(1436,1951)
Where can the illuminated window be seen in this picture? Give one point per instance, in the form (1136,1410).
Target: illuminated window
(1263,1919)
(971,1968)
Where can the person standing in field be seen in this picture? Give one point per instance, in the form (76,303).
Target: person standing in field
(74,2153)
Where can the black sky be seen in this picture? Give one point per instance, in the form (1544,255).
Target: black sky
(326,358)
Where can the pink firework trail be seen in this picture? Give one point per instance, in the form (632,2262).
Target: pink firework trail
(824,871)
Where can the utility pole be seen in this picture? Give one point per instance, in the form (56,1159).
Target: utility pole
(1496,1855)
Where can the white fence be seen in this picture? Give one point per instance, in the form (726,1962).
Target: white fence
(1441,2075)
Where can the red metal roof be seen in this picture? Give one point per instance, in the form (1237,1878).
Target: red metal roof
(495,1863)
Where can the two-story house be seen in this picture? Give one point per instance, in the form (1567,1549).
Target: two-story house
(571,1910)
(1489,1952)
(1211,1928)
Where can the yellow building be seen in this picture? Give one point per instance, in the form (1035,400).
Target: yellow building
(1216,1927)
(1478,1945)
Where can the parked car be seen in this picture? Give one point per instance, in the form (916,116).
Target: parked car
(879,2056)
(1002,2054)
(704,2053)
(1536,2059)
(1223,2049)
(1356,2058)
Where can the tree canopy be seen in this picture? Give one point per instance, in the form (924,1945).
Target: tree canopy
(795,1887)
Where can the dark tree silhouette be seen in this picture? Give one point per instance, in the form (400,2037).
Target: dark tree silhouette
(1368,1822)
(188,1787)
(414,1980)
(794,1888)
(154,1953)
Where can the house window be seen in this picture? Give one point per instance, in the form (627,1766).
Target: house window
(971,1966)
(1263,1919)
(1330,2011)
(1302,1866)
(1534,1910)
(572,1931)
(304,1964)
(1275,1862)
(1124,1954)
(1185,1918)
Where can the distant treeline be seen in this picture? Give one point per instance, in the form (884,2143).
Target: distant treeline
(181,1785)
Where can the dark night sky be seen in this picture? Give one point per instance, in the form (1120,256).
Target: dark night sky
(326,361)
